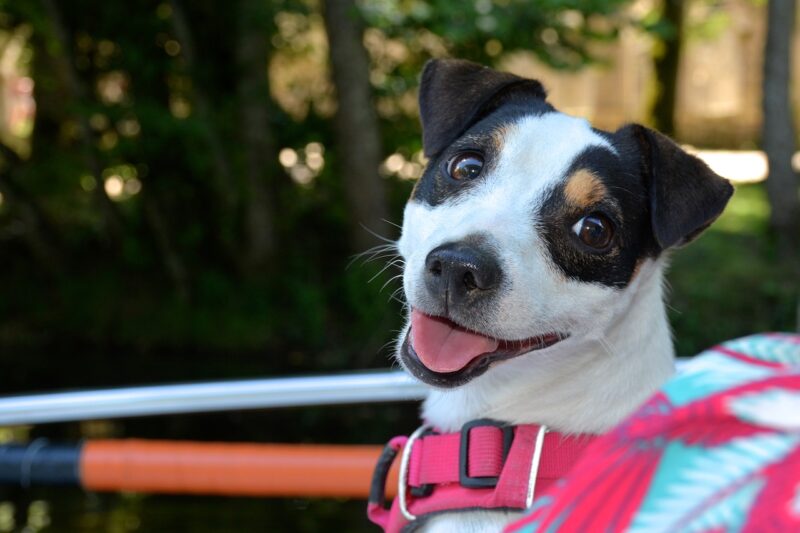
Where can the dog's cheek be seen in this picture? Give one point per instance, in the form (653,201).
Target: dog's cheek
(414,282)
(554,301)
(408,235)
(531,290)
(409,245)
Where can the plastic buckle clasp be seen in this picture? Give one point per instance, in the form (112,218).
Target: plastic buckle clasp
(377,488)
(377,509)
(480,482)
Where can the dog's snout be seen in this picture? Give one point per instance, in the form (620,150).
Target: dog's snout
(455,271)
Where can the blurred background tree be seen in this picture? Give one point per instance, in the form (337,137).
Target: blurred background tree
(184,184)
(779,136)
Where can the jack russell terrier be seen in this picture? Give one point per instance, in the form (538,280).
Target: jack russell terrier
(534,249)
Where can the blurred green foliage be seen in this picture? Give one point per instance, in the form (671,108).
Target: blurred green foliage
(150,281)
(731,282)
(156,264)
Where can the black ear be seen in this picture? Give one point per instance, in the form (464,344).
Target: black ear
(454,94)
(685,195)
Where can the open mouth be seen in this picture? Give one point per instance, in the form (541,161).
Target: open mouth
(439,352)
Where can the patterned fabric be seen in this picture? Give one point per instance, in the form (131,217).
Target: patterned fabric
(717,450)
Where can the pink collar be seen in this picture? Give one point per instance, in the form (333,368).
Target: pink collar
(487,465)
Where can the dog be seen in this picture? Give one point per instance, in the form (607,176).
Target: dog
(534,250)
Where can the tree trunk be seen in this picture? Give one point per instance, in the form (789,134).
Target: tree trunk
(667,66)
(224,182)
(779,137)
(166,247)
(112,224)
(259,144)
(39,233)
(223,209)
(356,125)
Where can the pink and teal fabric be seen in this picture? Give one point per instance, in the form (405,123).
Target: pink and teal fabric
(717,450)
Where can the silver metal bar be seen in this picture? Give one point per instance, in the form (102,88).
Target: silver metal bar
(360,387)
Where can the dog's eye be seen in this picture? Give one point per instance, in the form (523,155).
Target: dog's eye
(594,230)
(465,166)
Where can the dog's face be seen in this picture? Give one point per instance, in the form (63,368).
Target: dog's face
(528,225)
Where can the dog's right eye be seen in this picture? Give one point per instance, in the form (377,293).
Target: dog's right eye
(594,230)
(465,166)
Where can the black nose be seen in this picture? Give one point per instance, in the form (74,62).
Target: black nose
(455,272)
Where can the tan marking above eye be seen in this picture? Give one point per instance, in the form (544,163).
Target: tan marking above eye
(499,138)
(584,189)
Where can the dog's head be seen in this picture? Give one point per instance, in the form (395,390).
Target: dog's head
(528,226)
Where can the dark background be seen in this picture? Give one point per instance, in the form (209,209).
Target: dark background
(185,185)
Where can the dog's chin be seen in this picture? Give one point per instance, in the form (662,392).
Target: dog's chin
(478,365)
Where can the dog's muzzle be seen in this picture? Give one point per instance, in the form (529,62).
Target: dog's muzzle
(447,343)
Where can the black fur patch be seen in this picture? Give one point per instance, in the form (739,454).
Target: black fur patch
(685,195)
(454,94)
(464,106)
(657,195)
(625,203)
(486,137)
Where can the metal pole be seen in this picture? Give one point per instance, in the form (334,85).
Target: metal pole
(361,387)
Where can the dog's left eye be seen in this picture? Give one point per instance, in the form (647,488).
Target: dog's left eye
(594,230)
(465,166)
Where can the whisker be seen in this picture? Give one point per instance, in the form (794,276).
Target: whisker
(386,250)
(395,296)
(392,223)
(381,271)
(381,237)
(398,276)
(386,345)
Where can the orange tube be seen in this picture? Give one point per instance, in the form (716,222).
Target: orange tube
(290,470)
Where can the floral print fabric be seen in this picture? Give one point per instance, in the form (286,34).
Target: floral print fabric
(716,450)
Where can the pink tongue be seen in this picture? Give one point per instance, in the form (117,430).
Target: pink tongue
(444,348)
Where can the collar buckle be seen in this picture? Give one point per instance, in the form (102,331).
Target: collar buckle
(481,482)
(465,480)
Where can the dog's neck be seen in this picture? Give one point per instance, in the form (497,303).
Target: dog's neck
(584,386)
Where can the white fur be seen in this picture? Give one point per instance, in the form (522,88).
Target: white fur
(619,350)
